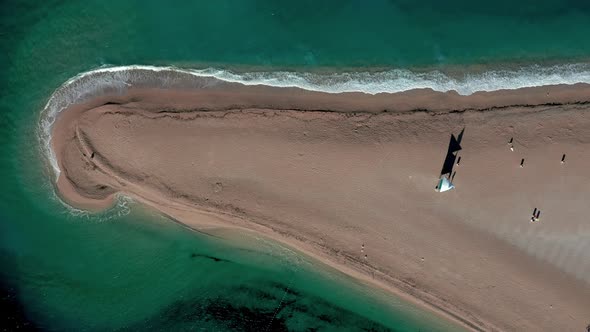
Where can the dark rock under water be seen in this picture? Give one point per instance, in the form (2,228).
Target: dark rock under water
(12,311)
(272,307)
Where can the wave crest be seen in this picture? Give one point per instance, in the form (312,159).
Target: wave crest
(118,79)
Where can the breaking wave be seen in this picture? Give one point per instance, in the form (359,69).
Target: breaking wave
(117,79)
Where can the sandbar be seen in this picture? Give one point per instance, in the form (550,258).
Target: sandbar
(350,179)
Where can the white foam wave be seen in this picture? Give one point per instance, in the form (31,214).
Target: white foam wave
(399,80)
(118,79)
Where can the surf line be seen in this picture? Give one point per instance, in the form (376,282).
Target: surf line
(92,83)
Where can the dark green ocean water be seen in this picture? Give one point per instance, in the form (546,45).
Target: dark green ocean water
(129,269)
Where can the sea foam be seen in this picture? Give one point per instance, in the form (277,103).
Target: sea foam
(117,79)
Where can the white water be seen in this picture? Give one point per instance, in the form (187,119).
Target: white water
(94,83)
(118,79)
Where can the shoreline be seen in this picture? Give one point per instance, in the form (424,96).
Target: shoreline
(415,110)
(119,79)
(382,282)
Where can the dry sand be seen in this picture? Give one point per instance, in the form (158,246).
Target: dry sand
(329,173)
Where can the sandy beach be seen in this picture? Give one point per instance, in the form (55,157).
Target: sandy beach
(350,179)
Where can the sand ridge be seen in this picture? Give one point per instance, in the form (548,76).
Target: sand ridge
(349,178)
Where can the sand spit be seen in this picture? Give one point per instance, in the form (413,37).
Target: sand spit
(349,178)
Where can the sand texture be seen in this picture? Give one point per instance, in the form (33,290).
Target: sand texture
(350,179)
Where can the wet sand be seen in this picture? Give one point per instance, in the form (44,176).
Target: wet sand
(349,179)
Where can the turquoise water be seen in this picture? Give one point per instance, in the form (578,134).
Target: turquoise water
(129,269)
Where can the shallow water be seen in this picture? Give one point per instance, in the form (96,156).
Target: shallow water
(131,269)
